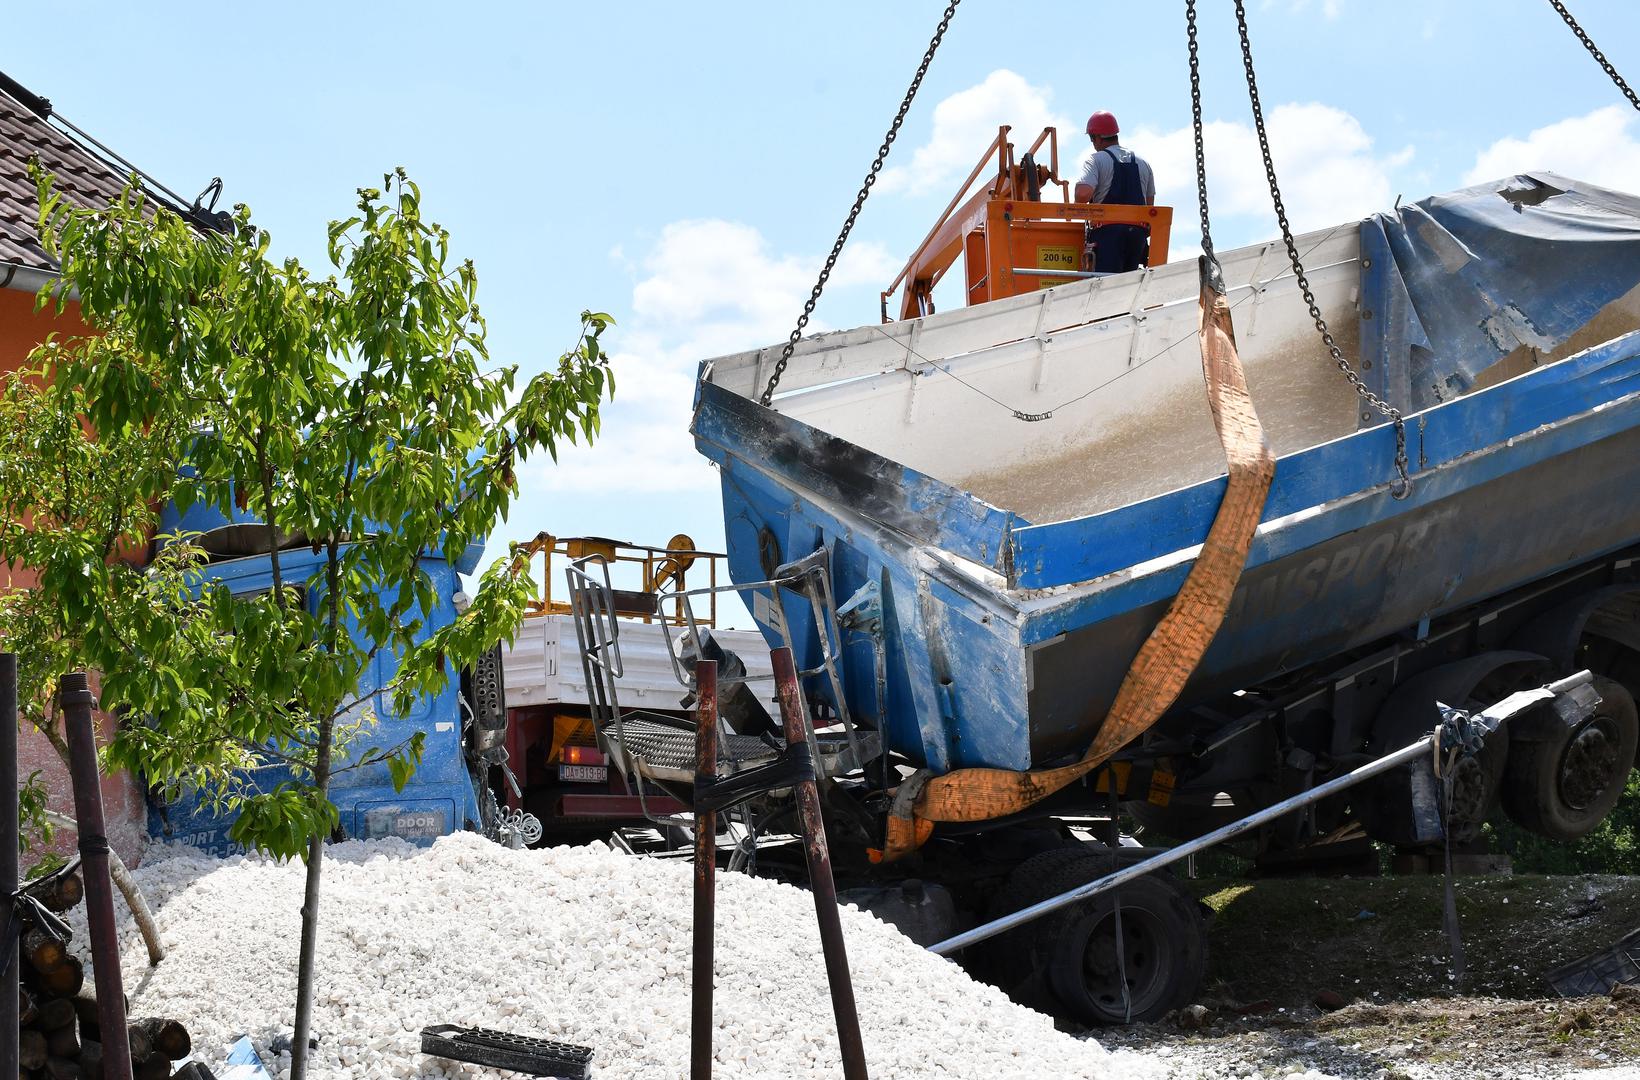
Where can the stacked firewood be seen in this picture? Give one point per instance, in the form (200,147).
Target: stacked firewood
(61,1035)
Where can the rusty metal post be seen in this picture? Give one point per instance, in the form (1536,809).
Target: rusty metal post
(77,702)
(794,716)
(8,860)
(706,716)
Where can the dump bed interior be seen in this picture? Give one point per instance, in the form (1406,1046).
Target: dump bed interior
(1088,396)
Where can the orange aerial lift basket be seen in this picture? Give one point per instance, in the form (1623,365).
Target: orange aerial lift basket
(1009,239)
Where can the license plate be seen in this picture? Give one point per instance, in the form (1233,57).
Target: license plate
(584,773)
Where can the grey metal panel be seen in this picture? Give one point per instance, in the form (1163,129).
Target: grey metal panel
(542,667)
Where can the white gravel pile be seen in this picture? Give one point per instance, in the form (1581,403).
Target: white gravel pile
(584,945)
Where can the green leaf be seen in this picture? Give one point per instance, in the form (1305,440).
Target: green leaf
(346,408)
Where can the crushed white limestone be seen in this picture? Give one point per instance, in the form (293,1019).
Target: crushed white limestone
(585,945)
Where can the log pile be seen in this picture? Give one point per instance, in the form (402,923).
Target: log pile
(60,1035)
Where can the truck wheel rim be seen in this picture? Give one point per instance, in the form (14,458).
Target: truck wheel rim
(1588,764)
(1146,959)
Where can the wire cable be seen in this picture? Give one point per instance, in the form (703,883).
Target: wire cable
(859,202)
(1035,417)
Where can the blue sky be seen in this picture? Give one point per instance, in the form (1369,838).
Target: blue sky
(685,166)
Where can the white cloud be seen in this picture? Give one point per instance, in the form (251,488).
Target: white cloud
(1330,9)
(702,272)
(638,452)
(1329,169)
(707,287)
(865,262)
(966,122)
(1599,147)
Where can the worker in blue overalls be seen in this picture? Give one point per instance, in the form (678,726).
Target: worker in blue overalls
(1111,173)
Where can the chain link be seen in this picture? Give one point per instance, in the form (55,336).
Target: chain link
(859,201)
(1594,51)
(1403,485)
(1196,117)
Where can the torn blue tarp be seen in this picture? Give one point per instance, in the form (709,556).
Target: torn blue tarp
(1454,283)
(244,1063)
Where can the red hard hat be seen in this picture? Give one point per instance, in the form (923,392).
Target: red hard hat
(1102,124)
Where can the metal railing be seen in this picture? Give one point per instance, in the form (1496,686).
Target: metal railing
(808,578)
(660,571)
(595,609)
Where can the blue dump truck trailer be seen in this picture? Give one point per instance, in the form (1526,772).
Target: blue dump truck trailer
(967,524)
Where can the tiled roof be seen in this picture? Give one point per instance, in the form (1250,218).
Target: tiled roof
(81,176)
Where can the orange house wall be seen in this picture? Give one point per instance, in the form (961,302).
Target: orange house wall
(21,329)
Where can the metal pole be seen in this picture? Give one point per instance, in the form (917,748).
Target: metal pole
(1183,851)
(8,860)
(77,702)
(706,716)
(1504,709)
(795,718)
(1036,272)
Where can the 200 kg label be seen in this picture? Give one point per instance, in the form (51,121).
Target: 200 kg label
(1057,257)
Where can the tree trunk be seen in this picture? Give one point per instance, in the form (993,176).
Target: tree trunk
(144,918)
(310,912)
(63,1043)
(65,979)
(123,881)
(32,1049)
(141,1049)
(63,1069)
(44,952)
(55,1013)
(304,970)
(162,1036)
(316,844)
(59,892)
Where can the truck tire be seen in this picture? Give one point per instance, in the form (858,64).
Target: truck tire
(1065,963)
(1386,804)
(1562,787)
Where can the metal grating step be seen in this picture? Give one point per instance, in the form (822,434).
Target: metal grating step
(504,1050)
(669,752)
(1597,973)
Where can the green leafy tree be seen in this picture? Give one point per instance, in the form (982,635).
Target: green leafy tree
(67,510)
(1611,847)
(356,414)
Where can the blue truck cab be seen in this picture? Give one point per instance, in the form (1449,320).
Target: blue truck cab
(440,797)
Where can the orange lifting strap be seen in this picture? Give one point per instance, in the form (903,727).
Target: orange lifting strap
(1173,649)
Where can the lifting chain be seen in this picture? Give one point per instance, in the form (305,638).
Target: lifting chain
(1403,482)
(1594,51)
(859,201)
(1210,261)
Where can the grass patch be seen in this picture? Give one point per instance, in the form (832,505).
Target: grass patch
(1382,938)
